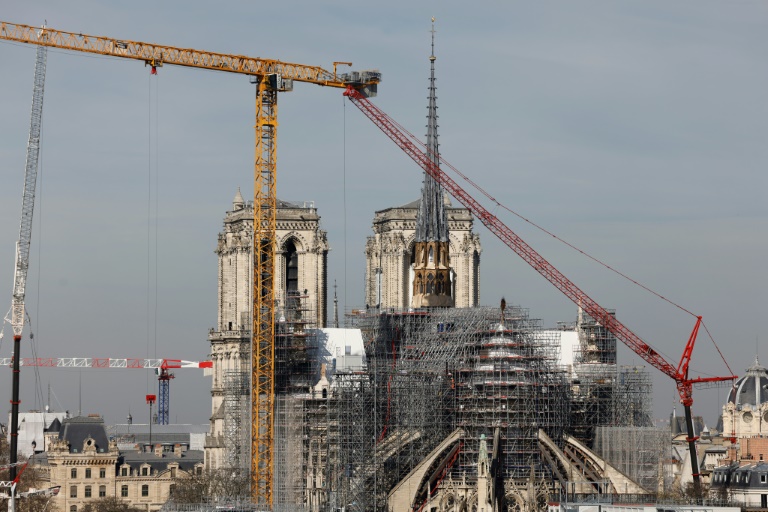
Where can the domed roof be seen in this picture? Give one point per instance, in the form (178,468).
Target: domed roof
(752,388)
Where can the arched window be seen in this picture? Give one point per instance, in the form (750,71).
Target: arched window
(430,283)
(124,491)
(291,267)
(431,255)
(73,508)
(102,491)
(73,491)
(87,491)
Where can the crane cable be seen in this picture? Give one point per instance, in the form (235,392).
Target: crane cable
(498,204)
(152,305)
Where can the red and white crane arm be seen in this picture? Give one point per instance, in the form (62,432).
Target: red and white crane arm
(106,362)
(420,154)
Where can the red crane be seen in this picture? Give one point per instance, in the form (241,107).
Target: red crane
(421,155)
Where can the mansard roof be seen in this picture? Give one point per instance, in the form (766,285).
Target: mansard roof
(188,459)
(76,430)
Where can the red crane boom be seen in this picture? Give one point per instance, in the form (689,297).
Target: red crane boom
(421,155)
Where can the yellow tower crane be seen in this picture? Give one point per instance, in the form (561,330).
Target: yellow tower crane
(271,76)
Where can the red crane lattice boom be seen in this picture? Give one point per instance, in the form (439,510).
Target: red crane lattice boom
(421,155)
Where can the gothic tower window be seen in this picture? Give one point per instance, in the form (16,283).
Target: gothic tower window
(291,267)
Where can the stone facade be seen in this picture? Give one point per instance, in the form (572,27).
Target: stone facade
(87,465)
(300,265)
(390,258)
(746,412)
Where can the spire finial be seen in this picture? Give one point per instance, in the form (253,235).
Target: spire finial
(432,56)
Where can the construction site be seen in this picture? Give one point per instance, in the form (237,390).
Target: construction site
(434,383)
(419,406)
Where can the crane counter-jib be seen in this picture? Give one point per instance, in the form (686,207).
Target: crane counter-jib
(158,55)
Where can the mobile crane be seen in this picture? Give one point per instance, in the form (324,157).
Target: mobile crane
(17,312)
(271,76)
(420,154)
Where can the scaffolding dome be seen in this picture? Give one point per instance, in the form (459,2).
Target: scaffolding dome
(752,388)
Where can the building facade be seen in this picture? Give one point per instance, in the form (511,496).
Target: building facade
(300,276)
(88,465)
(746,413)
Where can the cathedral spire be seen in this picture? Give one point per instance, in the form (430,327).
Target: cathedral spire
(432,281)
(431,220)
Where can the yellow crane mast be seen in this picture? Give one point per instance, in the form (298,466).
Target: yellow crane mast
(271,77)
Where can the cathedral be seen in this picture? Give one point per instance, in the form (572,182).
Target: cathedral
(423,254)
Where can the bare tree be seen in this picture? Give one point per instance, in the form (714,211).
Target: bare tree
(220,484)
(109,504)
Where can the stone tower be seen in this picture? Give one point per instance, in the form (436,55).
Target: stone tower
(300,275)
(424,254)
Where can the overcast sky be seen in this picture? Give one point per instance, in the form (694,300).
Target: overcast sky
(634,129)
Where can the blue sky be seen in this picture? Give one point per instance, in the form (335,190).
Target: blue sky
(634,129)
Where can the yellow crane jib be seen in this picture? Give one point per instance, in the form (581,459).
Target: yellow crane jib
(157,55)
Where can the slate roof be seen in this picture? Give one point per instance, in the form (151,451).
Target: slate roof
(76,430)
(55,426)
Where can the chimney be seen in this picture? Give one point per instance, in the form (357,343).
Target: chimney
(158,450)
(177,450)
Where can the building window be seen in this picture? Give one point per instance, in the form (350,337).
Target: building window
(73,473)
(291,268)
(73,491)
(73,508)
(124,491)
(171,489)
(173,472)
(102,472)
(199,470)
(87,491)
(102,491)
(87,472)
(763,478)
(145,490)
(145,471)
(123,471)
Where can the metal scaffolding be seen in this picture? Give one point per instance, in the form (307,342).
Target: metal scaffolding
(236,408)
(345,441)
(638,452)
(431,371)
(296,371)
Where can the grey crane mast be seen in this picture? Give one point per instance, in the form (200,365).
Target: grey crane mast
(22,245)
